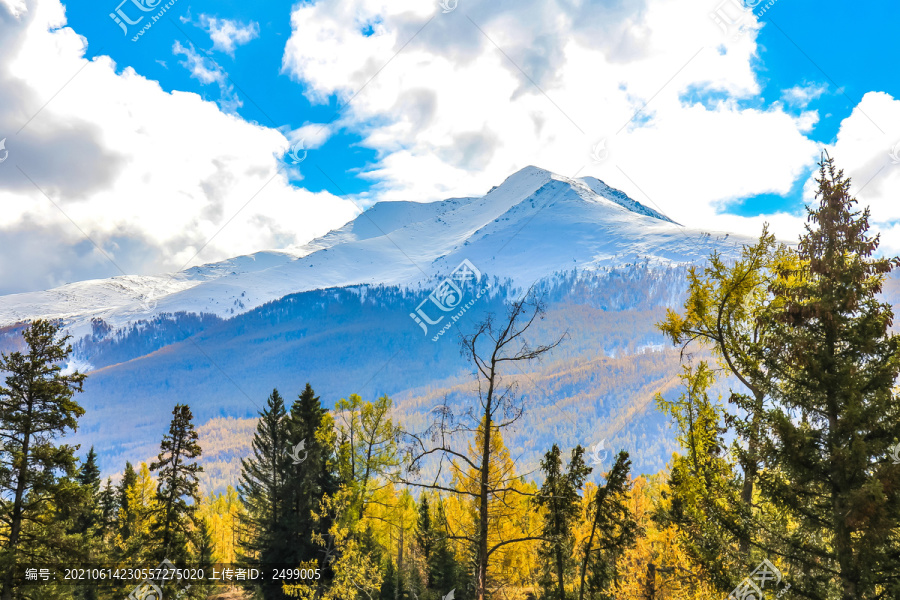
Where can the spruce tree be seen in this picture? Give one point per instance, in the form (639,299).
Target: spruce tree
(205,560)
(388,589)
(311,476)
(833,364)
(108,505)
(443,570)
(177,484)
(560,499)
(87,521)
(262,492)
(613,530)
(425,534)
(126,517)
(89,478)
(89,475)
(37,406)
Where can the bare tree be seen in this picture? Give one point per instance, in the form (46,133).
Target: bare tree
(491,348)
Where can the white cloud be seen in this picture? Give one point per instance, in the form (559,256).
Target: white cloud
(313,135)
(202,68)
(802,95)
(15,7)
(227,34)
(207,71)
(149,176)
(452,113)
(864,147)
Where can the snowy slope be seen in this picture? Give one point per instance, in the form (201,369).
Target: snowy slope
(533,225)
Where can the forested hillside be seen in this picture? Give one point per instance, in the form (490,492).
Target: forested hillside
(363,341)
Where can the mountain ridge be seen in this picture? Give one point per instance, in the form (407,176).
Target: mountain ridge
(395,243)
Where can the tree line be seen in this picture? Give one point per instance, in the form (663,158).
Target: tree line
(790,485)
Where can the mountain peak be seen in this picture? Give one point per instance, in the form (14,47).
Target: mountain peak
(534,225)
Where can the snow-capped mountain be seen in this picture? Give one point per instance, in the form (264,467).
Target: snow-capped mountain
(534,224)
(337,313)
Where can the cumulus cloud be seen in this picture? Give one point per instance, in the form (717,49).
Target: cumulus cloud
(455,102)
(868,149)
(150,177)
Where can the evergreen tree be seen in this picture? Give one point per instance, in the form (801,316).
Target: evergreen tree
(613,530)
(126,517)
(310,476)
(37,406)
(89,475)
(444,573)
(177,483)
(87,521)
(108,506)
(560,499)
(833,365)
(262,491)
(205,560)
(389,589)
(89,478)
(425,535)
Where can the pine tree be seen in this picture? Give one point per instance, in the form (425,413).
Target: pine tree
(263,493)
(37,406)
(126,518)
(108,506)
(89,475)
(89,479)
(613,531)
(425,535)
(176,485)
(388,589)
(560,499)
(87,521)
(205,560)
(309,427)
(444,573)
(833,367)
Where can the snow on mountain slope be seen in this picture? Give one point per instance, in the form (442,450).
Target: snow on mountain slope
(534,224)
(622,199)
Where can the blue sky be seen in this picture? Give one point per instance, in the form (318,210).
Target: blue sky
(834,45)
(268,96)
(175,149)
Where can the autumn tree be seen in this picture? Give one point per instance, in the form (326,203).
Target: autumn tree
(483,476)
(704,494)
(367,439)
(725,312)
